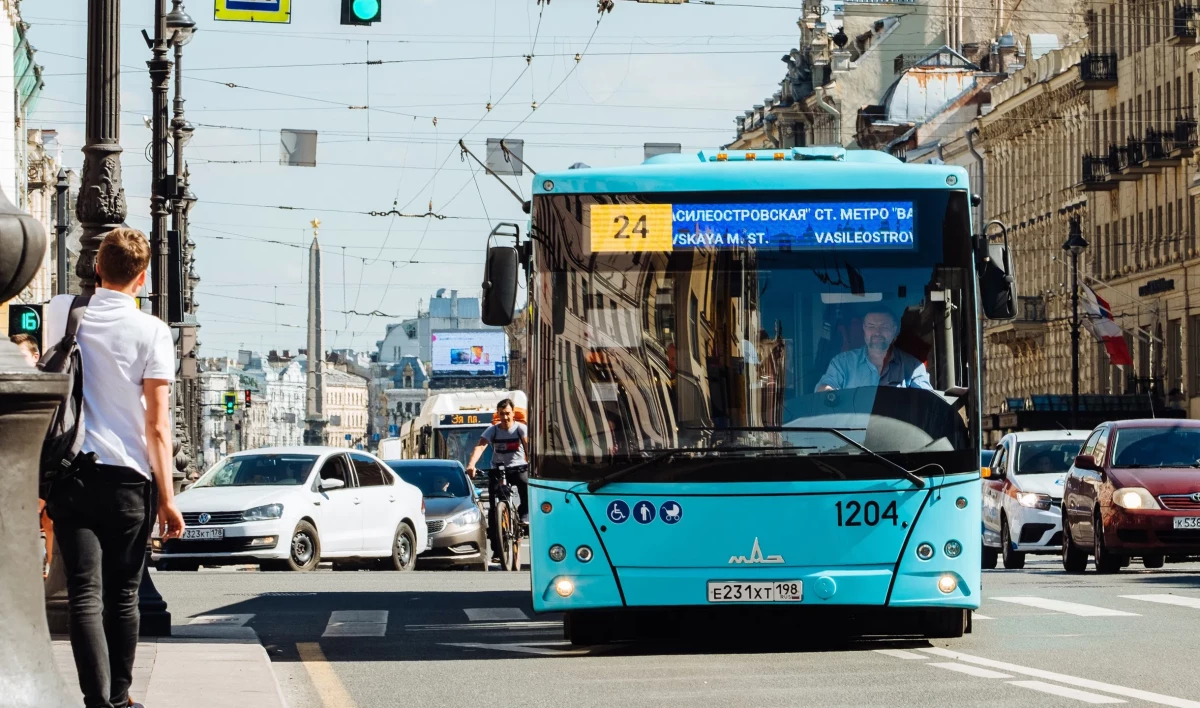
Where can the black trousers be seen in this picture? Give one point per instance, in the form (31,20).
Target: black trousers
(102,519)
(517,477)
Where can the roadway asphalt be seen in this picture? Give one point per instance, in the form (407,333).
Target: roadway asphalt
(460,638)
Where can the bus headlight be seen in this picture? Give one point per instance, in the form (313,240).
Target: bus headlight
(1134,498)
(952,549)
(557,552)
(564,587)
(925,551)
(947,584)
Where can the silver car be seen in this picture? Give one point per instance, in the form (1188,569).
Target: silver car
(453,512)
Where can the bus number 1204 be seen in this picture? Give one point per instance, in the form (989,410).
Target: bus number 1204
(854,514)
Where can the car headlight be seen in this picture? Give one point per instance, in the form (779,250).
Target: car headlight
(1034,501)
(263,513)
(1134,498)
(465,518)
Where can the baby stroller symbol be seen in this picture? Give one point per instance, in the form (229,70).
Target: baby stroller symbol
(670,512)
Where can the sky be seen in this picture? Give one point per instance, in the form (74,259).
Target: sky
(388,134)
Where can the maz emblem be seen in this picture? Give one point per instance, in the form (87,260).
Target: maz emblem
(756,556)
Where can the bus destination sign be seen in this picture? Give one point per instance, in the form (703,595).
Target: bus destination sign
(851,225)
(484,418)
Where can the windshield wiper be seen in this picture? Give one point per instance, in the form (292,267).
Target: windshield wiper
(663,455)
(837,432)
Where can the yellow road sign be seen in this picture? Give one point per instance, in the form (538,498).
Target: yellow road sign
(277,11)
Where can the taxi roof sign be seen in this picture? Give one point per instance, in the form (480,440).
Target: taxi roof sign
(272,11)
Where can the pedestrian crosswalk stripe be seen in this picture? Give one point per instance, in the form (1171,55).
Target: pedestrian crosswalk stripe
(900,654)
(1065,692)
(978,616)
(222,620)
(356,623)
(971,670)
(1070,608)
(1180,600)
(526,626)
(479,614)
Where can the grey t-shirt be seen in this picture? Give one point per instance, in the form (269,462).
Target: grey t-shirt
(507,446)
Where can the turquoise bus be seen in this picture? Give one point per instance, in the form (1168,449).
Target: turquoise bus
(754,380)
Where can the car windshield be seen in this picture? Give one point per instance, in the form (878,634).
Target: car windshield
(985,457)
(259,471)
(1157,447)
(459,443)
(433,480)
(1046,456)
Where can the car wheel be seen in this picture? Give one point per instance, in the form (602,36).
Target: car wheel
(1074,558)
(989,557)
(1013,560)
(1106,562)
(1152,561)
(304,551)
(586,628)
(404,548)
(945,624)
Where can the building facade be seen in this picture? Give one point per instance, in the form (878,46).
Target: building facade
(346,409)
(412,336)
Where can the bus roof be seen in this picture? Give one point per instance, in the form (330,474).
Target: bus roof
(731,170)
(468,401)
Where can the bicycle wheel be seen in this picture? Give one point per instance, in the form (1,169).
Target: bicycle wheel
(508,550)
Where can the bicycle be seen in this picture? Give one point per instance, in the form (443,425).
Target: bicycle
(504,522)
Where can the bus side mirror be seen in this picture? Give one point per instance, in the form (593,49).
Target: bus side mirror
(997,286)
(500,286)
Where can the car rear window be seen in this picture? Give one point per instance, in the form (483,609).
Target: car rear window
(1047,456)
(1175,446)
(433,480)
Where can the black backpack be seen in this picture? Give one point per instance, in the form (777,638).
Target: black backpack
(60,451)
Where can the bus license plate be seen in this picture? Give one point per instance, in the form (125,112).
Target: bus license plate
(203,534)
(1186,522)
(774,591)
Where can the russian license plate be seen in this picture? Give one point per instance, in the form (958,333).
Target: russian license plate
(203,534)
(429,542)
(1186,522)
(771,591)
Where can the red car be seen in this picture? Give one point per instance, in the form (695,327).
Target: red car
(1133,492)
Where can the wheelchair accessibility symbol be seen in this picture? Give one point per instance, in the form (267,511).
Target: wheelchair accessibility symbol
(618,512)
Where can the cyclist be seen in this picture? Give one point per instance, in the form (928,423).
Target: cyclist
(509,440)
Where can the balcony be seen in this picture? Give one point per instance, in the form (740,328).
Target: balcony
(1183,140)
(1119,166)
(1156,149)
(1096,174)
(1098,71)
(1183,28)
(1026,330)
(1133,159)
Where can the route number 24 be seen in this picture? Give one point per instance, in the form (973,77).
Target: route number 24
(639,227)
(849,514)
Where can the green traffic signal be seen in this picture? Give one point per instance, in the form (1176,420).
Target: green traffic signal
(366,10)
(230,403)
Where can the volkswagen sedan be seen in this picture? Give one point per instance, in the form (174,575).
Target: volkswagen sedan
(290,508)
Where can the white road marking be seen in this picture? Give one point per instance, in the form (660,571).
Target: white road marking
(527,626)
(478,614)
(1180,600)
(356,623)
(539,648)
(971,670)
(901,654)
(1070,608)
(978,616)
(1066,692)
(222,620)
(1065,679)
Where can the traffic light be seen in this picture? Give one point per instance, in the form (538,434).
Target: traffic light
(247,398)
(25,319)
(230,402)
(361,12)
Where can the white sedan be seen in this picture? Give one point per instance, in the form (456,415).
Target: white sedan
(289,508)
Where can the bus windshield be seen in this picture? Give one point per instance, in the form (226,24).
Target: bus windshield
(754,346)
(458,443)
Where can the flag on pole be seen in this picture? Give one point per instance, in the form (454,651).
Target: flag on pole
(1099,321)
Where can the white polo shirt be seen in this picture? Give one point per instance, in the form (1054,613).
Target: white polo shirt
(120,347)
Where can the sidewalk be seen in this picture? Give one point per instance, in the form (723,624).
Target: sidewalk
(193,669)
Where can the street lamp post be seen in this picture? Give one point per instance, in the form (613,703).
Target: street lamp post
(160,79)
(1074,245)
(61,227)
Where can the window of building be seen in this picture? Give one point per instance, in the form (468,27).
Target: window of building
(1174,355)
(1193,353)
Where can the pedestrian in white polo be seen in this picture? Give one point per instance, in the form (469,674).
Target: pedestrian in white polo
(103,513)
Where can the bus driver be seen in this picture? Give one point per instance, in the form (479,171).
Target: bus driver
(876,363)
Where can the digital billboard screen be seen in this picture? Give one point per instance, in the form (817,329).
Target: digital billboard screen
(470,351)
